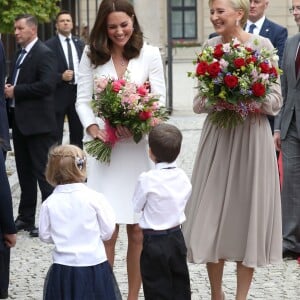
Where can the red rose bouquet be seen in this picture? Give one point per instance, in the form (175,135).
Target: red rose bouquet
(121,102)
(234,79)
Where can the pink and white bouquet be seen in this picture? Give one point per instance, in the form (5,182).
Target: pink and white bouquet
(234,79)
(121,102)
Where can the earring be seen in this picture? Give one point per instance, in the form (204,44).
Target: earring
(237,23)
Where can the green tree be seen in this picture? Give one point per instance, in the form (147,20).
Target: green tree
(44,10)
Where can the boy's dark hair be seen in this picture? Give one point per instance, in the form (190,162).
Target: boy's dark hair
(165,142)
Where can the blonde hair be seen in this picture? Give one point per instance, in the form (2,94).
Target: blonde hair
(66,164)
(244,5)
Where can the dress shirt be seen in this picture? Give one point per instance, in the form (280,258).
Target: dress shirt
(76,220)
(258,25)
(64,45)
(27,49)
(161,195)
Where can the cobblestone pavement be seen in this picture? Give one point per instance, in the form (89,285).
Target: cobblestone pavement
(30,259)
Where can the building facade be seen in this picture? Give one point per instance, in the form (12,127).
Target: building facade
(190,26)
(177,27)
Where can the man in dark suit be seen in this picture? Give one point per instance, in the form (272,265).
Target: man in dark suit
(7,225)
(66,77)
(287,139)
(4,131)
(276,33)
(7,229)
(30,88)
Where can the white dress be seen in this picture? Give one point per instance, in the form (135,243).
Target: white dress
(118,179)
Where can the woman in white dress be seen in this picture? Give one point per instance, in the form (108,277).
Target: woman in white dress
(234,213)
(116,47)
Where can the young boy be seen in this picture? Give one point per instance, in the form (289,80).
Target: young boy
(161,195)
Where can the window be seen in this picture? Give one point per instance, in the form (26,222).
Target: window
(184,19)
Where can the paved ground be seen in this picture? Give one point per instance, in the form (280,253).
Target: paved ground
(31,258)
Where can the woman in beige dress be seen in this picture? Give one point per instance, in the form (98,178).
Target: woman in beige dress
(234,213)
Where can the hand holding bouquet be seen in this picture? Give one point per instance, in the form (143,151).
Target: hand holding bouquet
(235,80)
(123,103)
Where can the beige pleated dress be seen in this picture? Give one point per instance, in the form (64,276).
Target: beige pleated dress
(234,212)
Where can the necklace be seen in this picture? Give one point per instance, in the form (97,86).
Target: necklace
(121,61)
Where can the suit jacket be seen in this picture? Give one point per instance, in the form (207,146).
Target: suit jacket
(277,34)
(34,91)
(4,131)
(61,94)
(290,85)
(7,224)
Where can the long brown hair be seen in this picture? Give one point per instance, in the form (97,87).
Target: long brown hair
(101,45)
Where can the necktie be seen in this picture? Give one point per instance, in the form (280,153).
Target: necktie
(17,65)
(297,61)
(251,28)
(70,58)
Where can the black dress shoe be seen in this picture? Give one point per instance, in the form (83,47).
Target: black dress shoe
(3,294)
(288,254)
(34,232)
(21,225)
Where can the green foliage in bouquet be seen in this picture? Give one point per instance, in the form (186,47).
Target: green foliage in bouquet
(121,102)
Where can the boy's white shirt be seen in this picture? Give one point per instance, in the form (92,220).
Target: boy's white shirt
(161,195)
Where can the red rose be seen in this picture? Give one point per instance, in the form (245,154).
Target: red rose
(214,69)
(218,51)
(142,91)
(264,67)
(201,68)
(145,115)
(258,89)
(116,86)
(231,81)
(239,62)
(251,59)
(273,71)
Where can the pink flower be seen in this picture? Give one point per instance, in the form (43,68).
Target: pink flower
(155,106)
(154,121)
(100,84)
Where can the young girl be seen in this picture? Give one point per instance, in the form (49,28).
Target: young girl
(76,220)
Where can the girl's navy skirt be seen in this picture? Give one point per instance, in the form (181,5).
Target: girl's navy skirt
(81,283)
